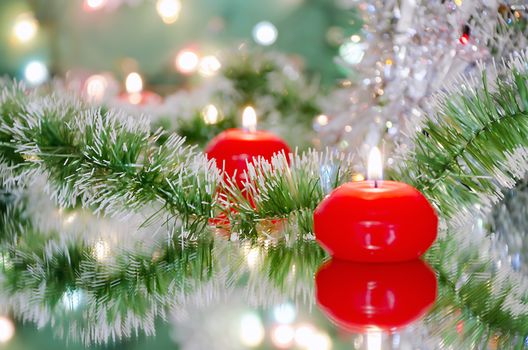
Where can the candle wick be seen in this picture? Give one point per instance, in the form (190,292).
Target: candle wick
(375,183)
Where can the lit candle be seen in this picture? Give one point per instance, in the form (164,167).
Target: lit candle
(375,220)
(375,298)
(135,94)
(233,148)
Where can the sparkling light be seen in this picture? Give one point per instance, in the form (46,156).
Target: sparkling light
(282,336)
(251,330)
(93,5)
(375,168)
(209,66)
(187,62)
(210,114)
(7,329)
(25,27)
(169,10)
(284,313)
(96,86)
(134,83)
(249,119)
(36,73)
(265,33)
(352,52)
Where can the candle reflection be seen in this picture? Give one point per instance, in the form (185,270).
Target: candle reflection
(375,298)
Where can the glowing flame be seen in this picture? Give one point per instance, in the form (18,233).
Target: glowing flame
(249,119)
(134,83)
(375,169)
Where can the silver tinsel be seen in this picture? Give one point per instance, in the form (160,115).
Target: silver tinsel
(407,51)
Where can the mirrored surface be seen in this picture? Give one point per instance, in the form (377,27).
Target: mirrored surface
(72,280)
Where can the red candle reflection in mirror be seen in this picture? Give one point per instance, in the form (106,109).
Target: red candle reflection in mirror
(358,297)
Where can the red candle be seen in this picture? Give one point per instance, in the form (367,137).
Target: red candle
(375,221)
(233,148)
(360,297)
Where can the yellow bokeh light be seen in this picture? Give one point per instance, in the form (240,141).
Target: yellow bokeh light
(169,10)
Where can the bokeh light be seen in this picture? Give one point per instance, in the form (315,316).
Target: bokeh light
(304,334)
(282,336)
(25,28)
(94,5)
(187,61)
(36,73)
(134,83)
(265,33)
(209,66)
(95,87)
(169,10)
(284,313)
(251,330)
(7,329)
(210,114)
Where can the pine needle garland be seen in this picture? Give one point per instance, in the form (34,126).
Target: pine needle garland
(461,155)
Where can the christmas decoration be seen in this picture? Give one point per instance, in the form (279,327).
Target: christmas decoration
(383,297)
(81,159)
(477,300)
(375,220)
(406,52)
(233,148)
(272,83)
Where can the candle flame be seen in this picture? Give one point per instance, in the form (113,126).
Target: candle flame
(134,83)
(249,119)
(375,168)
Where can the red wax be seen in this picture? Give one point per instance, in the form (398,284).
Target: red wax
(234,147)
(141,98)
(363,223)
(358,296)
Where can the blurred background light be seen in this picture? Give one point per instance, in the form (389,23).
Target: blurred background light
(169,10)
(36,73)
(7,329)
(251,330)
(187,61)
(282,336)
(284,313)
(25,28)
(265,33)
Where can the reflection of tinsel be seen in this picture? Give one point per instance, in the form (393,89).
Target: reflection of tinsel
(409,50)
(510,223)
